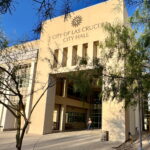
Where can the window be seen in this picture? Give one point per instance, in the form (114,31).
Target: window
(23,75)
(84,50)
(74,55)
(95,49)
(75,117)
(95,53)
(55,63)
(64,60)
(2,78)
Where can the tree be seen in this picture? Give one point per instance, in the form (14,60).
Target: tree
(129,82)
(14,81)
(141,21)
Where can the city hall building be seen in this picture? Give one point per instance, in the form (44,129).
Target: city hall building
(55,54)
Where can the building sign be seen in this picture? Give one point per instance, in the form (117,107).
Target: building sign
(75,34)
(76,21)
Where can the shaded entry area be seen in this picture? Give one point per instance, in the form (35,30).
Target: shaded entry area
(72,118)
(72,109)
(74,114)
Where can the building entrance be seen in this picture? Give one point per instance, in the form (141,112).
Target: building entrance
(96,110)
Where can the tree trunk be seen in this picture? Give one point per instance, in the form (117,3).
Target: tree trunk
(18,132)
(23,132)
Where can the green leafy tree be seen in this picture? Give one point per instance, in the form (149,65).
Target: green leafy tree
(141,21)
(84,80)
(131,81)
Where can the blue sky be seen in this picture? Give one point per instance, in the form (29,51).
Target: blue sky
(20,23)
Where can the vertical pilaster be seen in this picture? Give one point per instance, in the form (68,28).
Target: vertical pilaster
(79,51)
(3,112)
(30,88)
(69,60)
(42,117)
(49,109)
(60,57)
(65,88)
(3,116)
(62,117)
(90,53)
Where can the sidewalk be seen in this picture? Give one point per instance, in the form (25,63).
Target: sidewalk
(76,140)
(135,145)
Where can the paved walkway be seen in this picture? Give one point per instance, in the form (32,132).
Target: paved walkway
(77,140)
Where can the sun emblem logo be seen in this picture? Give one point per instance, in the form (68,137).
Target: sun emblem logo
(76,21)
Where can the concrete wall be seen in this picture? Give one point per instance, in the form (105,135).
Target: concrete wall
(24,54)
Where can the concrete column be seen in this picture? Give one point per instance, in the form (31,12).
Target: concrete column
(42,117)
(62,117)
(65,88)
(90,53)
(30,88)
(49,109)
(60,57)
(3,117)
(3,112)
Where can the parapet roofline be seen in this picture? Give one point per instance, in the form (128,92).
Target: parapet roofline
(100,3)
(34,44)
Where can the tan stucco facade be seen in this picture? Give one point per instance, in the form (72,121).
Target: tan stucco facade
(21,54)
(57,35)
